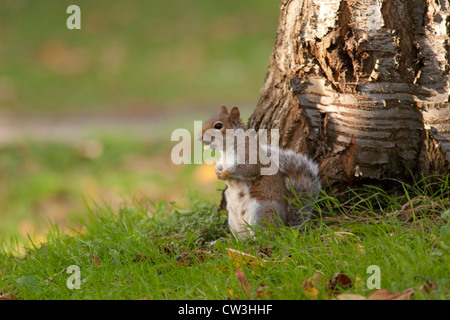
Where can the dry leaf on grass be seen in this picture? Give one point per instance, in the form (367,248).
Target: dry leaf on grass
(428,286)
(246,286)
(350,296)
(339,281)
(383,294)
(96,260)
(310,286)
(232,294)
(139,257)
(7,296)
(191,257)
(240,258)
(166,250)
(360,248)
(263,292)
(267,251)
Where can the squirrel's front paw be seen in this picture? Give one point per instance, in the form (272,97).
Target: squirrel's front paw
(224,174)
(219,170)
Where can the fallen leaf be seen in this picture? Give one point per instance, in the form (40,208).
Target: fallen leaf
(360,247)
(340,280)
(139,257)
(310,289)
(191,257)
(7,296)
(267,251)
(383,294)
(350,296)
(232,294)
(310,286)
(97,260)
(220,269)
(428,286)
(262,291)
(240,258)
(166,250)
(244,282)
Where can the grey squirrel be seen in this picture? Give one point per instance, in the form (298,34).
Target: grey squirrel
(253,198)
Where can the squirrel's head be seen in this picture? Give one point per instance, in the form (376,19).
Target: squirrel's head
(216,126)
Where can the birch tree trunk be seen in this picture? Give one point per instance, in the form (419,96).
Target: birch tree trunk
(362,86)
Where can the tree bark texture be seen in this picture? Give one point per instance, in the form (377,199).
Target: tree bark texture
(362,86)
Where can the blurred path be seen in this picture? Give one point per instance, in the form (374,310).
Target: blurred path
(81,125)
(77,126)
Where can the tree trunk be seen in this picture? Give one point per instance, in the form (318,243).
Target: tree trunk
(362,86)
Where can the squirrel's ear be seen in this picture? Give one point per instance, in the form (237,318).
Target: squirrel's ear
(223,110)
(235,115)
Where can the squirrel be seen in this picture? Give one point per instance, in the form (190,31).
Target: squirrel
(253,198)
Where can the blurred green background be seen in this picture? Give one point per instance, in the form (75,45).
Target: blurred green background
(86,115)
(133,53)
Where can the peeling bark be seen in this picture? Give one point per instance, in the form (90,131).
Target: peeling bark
(362,86)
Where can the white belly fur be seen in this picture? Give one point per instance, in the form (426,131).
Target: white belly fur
(241,209)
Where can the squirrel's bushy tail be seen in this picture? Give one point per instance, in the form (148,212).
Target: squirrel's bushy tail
(302,175)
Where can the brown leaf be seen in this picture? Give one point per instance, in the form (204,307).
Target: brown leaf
(240,259)
(243,281)
(97,260)
(7,296)
(262,291)
(383,294)
(191,257)
(350,296)
(428,286)
(232,294)
(267,251)
(310,286)
(310,289)
(340,280)
(360,247)
(139,257)
(166,250)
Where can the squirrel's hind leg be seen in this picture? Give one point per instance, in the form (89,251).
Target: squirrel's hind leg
(269,212)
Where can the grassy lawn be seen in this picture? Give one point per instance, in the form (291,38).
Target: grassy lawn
(51,182)
(149,250)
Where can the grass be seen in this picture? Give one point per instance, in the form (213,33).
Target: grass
(47,181)
(175,53)
(158,251)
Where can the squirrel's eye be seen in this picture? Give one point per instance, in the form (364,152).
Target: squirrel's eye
(218,126)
